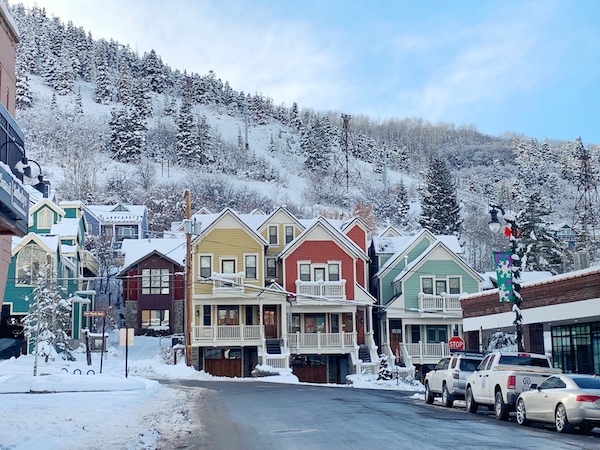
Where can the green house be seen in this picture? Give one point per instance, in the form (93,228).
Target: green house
(418,281)
(56,237)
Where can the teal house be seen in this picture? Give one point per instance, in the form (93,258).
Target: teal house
(418,281)
(57,237)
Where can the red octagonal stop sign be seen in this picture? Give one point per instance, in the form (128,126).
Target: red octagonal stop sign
(456,344)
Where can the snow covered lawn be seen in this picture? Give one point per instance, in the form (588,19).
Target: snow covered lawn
(71,405)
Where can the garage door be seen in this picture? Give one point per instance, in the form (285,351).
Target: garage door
(310,369)
(223,362)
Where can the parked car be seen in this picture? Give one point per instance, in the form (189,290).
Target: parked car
(567,400)
(502,376)
(449,377)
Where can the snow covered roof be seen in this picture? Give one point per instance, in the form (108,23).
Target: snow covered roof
(137,249)
(118,213)
(66,227)
(67,249)
(490,278)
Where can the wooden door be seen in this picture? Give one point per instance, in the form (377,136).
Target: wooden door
(270,321)
(224,367)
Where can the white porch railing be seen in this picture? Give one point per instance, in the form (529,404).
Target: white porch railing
(218,333)
(277,361)
(420,351)
(302,342)
(446,303)
(329,289)
(228,283)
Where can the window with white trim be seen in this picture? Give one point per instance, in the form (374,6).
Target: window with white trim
(304,272)
(205,266)
(228,266)
(333,270)
(273,238)
(271,267)
(31,260)
(250,267)
(45,218)
(289,234)
(155,281)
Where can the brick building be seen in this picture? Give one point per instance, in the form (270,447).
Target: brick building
(561,314)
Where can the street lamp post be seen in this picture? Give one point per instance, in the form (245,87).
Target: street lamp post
(511,231)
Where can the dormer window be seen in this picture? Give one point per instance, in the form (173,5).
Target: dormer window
(120,208)
(289,234)
(273,239)
(45,218)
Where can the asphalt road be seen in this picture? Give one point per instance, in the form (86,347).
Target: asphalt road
(256,415)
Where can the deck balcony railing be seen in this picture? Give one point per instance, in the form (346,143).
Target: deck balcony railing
(329,289)
(443,303)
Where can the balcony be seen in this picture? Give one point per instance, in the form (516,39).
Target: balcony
(444,304)
(330,289)
(301,343)
(227,335)
(227,284)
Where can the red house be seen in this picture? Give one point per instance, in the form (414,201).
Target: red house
(154,285)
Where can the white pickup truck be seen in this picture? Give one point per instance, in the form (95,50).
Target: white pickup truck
(502,376)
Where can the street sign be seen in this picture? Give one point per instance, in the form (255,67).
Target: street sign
(94,313)
(456,344)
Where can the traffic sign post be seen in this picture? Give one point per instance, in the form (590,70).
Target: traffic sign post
(456,344)
(103,315)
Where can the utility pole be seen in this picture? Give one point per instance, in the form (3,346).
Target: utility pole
(188,282)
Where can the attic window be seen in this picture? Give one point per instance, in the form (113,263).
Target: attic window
(120,208)
(45,218)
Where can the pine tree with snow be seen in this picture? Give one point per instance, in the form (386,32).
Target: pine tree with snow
(154,71)
(24,95)
(385,372)
(391,206)
(186,144)
(49,317)
(127,132)
(440,210)
(103,92)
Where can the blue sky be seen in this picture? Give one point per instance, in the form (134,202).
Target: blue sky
(531,67)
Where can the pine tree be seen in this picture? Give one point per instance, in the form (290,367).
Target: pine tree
(24,95)
(187,140)
(127,132)
(391,206)
(154,71)
(440,211)
(103,92)
(49,317)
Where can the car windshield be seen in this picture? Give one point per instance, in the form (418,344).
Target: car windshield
(469,364)
(587,383)
(524,360)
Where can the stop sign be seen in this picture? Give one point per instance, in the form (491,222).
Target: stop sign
(456,344)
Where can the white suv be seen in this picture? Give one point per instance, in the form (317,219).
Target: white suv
(449,377)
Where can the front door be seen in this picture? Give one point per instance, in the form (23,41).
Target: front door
(270,321)
(395,335)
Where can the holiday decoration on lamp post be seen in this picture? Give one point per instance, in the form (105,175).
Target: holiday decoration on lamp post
(508,267)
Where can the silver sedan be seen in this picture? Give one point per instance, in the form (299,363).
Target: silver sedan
(566,400)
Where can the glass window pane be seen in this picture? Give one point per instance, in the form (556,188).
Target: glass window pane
(427,285)
(334,272)
(305,272)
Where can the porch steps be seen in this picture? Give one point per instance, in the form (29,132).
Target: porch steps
(364,353)
(273,346)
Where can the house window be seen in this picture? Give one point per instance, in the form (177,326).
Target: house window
(334,272)
(273,235)
(319,273)
(30,262)
(427,285)
(155,281)
(126,232)
(440,287)
(295,324)
(335,323)
(454,285)
(250,261)
(228,315)
(45,218)
(228,266)
(304,272)
(271,268)
(289,234)
(415,333)
(437,333)
(205,266)
(207,316)
(314,323)
(155,318)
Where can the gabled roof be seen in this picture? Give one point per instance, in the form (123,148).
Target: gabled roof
(214,219)
(50,244)
(390,231)
(136,250)
(50,204)
(117,213)
(413,265)
(337,235)
(280,210)
(401,246)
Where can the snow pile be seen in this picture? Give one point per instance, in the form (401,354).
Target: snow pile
(371,381)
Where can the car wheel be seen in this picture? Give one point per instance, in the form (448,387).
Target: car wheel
(500,408)
(586,426)
(560,420)
(447,399)
(470,401)
(428,395)
(521,414)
